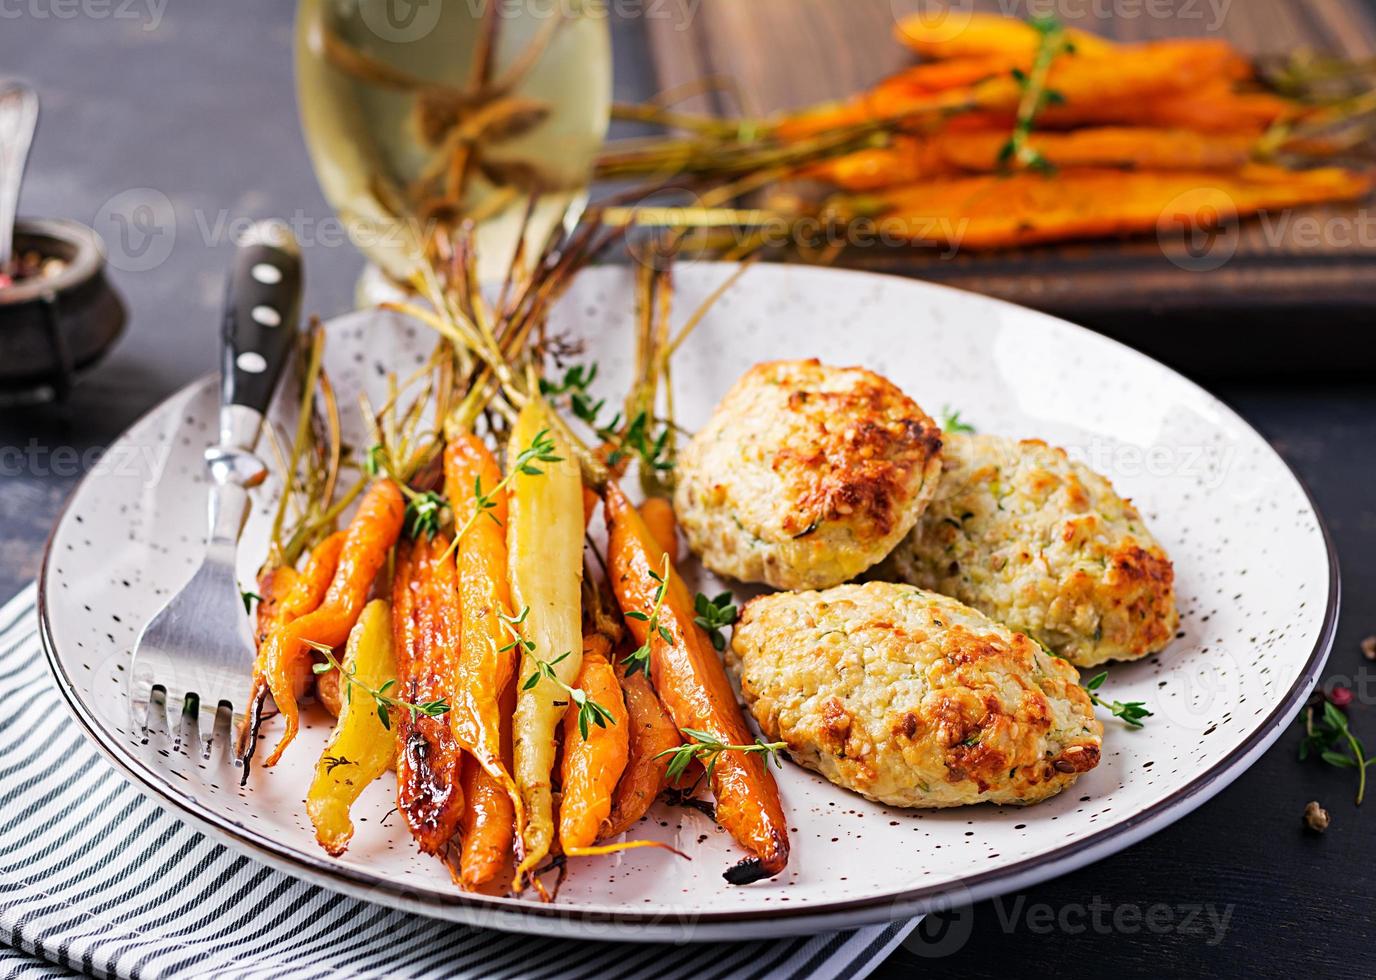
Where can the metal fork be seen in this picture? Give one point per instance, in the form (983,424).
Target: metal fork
(196,652)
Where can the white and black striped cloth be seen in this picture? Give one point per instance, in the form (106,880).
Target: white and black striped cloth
(94,877)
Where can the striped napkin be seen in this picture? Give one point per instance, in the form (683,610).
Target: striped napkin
(95,877)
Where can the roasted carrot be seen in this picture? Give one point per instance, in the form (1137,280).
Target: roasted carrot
(959,33)
(692,684)
(360,749)
(544,571)
(425,626)
(651,732)
(1002,212)
(274,585)
(593,761)
(487,661)
(1134,75)
(941,76)
(489,817)
(287,596)
(658,515)
(370,537)
(947,154)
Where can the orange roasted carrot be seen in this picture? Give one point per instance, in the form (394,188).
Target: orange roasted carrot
(487,660)
(658,515)
(1005,211)
(274,585)
(692,683)
(288,595)
(594,754)
(1134,75)
(959,33)
(911,159)
(425,626)
(487,830)
(651,734)
(371,534)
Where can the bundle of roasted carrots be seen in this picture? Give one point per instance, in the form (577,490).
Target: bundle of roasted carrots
(1125,138)
(1011,132)
(533,712)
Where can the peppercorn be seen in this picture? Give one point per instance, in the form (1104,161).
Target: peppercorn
(1315,817)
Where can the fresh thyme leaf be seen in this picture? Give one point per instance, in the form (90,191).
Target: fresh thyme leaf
(425,514)
(1018,153)
(1330,738)
(639,658)
(1130,713)
(333,762)
(714,615)
(950,418)
(374,461)
(381,698)
(249,599)
(707,747)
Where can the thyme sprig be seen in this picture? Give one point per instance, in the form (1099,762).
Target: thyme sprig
(249,598)
(589,711)
(1018,153)
(1330,738)
(639,659)
(952,422)
(1131,712)
(636,437)
(425,514)
(707,748)
(714,615)
(540,450)
(381,699)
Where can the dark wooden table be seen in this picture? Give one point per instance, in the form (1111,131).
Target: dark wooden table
(200,108)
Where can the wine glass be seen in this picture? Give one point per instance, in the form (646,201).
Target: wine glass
(425,113)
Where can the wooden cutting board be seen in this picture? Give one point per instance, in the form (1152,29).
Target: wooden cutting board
(1292,292)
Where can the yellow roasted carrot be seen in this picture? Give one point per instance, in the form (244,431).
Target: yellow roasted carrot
(361,748)
(544,571)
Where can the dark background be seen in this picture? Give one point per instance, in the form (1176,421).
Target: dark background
(202,110)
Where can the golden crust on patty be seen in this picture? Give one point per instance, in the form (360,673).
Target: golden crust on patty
(1044,544)
(912,698)
(806,475)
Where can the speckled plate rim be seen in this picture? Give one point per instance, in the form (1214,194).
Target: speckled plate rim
(573,922)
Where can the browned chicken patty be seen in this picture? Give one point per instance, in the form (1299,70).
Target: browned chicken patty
(1044,544)
(806,475)
(912,698)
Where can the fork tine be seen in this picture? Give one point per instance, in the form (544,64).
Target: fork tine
(208,725)
(155,720)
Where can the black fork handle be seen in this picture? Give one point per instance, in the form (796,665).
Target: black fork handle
(262,311)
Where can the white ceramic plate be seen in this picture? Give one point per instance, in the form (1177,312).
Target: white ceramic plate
(1257,585)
